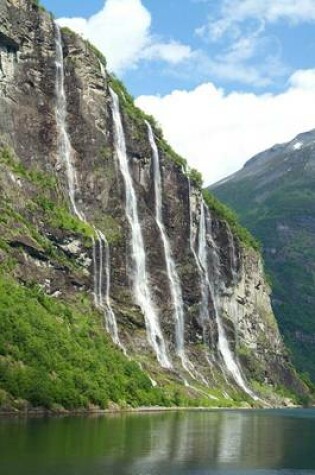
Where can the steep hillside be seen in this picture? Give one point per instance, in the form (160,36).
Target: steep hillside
(274,195)
(118,283)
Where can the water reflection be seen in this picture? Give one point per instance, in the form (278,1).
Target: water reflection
(164,443)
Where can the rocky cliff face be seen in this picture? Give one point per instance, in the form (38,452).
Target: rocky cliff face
(66,227)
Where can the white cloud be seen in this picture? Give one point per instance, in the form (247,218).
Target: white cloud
(251,60)
(240,28)
(121,30)
(303,79)
(172,52)
(295,11)
(217,132)
(232,13)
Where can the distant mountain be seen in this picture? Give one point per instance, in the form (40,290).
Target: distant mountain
(274,195)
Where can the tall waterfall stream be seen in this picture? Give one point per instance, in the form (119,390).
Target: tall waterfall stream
(100,245)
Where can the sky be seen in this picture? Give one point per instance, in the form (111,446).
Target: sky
(225,79)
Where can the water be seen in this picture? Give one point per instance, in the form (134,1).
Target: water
(271,442)
(232,252)
(65,153)
(139,273)
(204,287)
(223,344)
(172,275)
(104,253)
(64,144)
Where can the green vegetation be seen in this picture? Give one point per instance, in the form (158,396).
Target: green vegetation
(38,4)
(225,213)
(106,152)
(96,51)
(66,30)
(172,155)
(127,103)
(52,354)
(195,177)
(254,367)
(59,217)
(111,228)
(56,216)
(55,354)
(265,391)
(36,177)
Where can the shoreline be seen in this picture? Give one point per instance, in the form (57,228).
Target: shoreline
(42,413)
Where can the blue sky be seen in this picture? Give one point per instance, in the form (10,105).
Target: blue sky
(250,63)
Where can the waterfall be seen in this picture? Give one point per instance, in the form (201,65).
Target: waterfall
(204,287)
(174,283)
(232,253)
(65,152)
(223,344)
(140,278)
(64,144)
(111,324)
(204,304)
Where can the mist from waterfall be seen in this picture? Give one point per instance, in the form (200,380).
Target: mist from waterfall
(139,276)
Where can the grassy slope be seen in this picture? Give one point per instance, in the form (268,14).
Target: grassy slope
(52,354)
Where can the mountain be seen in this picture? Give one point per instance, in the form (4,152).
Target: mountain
(120,283)
(274,196)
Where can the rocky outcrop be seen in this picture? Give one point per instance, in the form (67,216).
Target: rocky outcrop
(55,249)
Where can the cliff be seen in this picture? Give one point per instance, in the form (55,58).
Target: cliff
(125,287)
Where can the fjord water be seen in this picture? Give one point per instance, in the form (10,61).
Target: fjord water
(270,442)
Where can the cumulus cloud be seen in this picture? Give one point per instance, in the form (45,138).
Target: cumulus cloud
(121,30)
(218,131)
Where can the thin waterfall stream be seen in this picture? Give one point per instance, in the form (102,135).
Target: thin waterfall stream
(204,307)
(173,278)
(223,344)
(100,245)
(139,272)
(64,144)
(172,275)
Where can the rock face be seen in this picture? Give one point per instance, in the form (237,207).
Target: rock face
(274,197)
(70,253)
